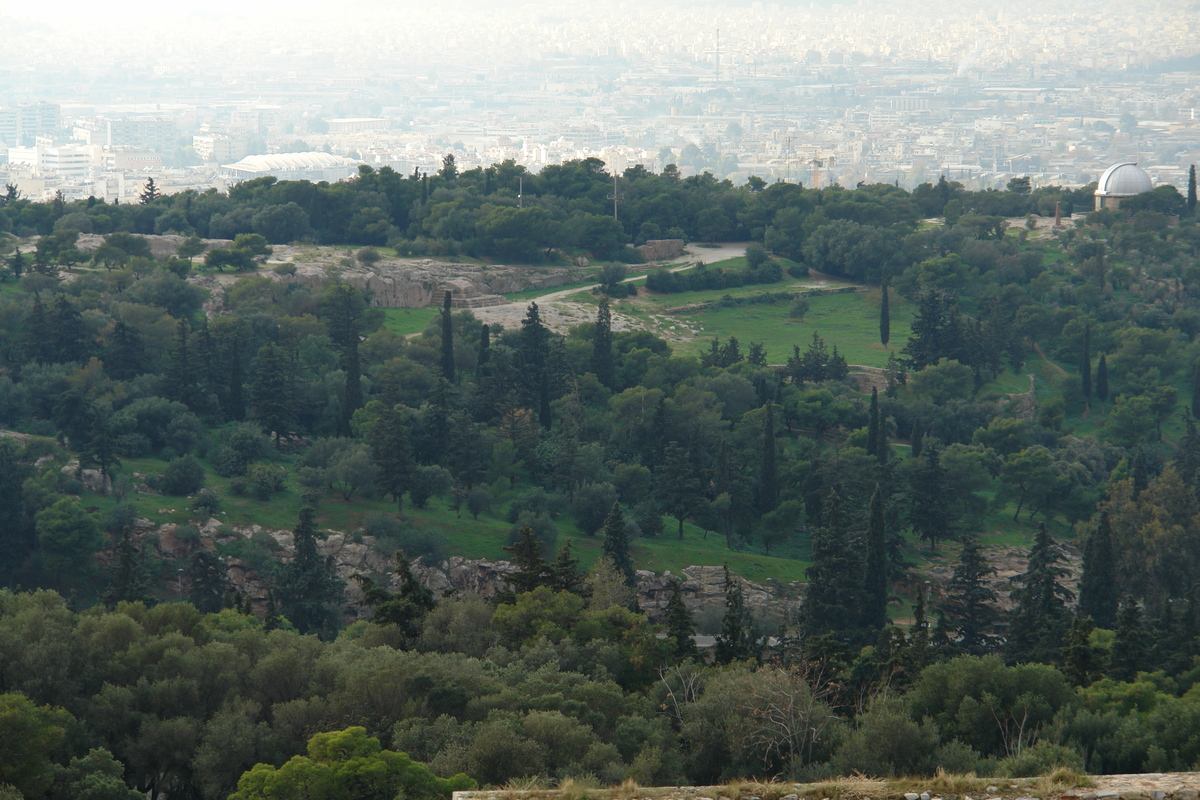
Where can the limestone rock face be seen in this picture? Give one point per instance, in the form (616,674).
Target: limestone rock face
(162,246)
(416,283)
(661,249)
(358,555)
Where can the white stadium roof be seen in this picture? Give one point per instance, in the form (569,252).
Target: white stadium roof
(290,162)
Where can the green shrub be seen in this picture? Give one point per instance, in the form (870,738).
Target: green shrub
(183,476)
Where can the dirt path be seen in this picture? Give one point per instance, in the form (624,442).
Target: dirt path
(1037,348)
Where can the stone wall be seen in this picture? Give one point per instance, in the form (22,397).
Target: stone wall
(661,249)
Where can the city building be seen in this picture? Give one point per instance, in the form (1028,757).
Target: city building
(357,125)
(1120,181)
(20,126)
(214,148)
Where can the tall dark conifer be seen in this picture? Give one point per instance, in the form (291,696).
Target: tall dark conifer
(1130,648)
(1085,364)
(970,603)
(342,309)
(875,575)
(737,640)
(616,543)
(1191,189)
(916,439)
(181,377)
(930,509)
(391,453)
(447,340)
(885,316)
(1102,379)
(1039,622)
(680,625)
(873,424)
(485,353)
(1098,593)
(833,600)
(602,355)
(768,479)
(307,589)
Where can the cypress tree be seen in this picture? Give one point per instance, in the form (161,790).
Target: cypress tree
(616,544)
(1196,391)
(130,578)
(237,390)
(929,515)
(1085,365)
(602,356)
(1191,190)
(485,352)
(125,357)
(447,341)
(66,332)
(768,480)
(873,424)
(1187,457)
(970,603)
(1102,379)
(16,263)
(916,439)
(274,389)
(1139,471)
(1098,597)
(180,377)
(885,316)
(680,625)
(875,577)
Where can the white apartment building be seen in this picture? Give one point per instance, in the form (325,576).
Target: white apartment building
(214,148)
(71,162)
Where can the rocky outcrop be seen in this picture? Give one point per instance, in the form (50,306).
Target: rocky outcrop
(661,249)
(358,554)
(161,246)
(415,283)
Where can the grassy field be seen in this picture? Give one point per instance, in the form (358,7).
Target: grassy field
(850,321)
(403,321)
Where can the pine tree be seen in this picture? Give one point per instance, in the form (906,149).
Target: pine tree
(885,316)
(16,263)
(532,569)
(37,343)
(1102,379)
(447,341)
(1130,650)
(873,424)
(929,511)
(207,581)
(67,336)
(1039,621)
(616,544)
(1081,661)
(130,578)
(970,603)
(1098,595)
(737,640)
(181,377)
(391,453)
(307,589)
(149,193)
(1191,189)
(677,487)
(833,600)
(680,624)
(342,309)
(125,357)
(602,343)
(768,480)
(565,573)
(274,390)
(533,350)
(875,576)
(1085,365)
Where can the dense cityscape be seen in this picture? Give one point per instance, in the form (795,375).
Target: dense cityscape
(807,94)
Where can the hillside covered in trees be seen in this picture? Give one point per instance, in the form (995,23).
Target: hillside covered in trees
(128,393)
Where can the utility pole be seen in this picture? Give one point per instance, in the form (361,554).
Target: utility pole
(520,189)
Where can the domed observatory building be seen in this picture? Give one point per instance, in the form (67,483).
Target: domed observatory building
(1120,181)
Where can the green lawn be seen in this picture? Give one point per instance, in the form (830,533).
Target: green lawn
(850,321)
(403,321)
